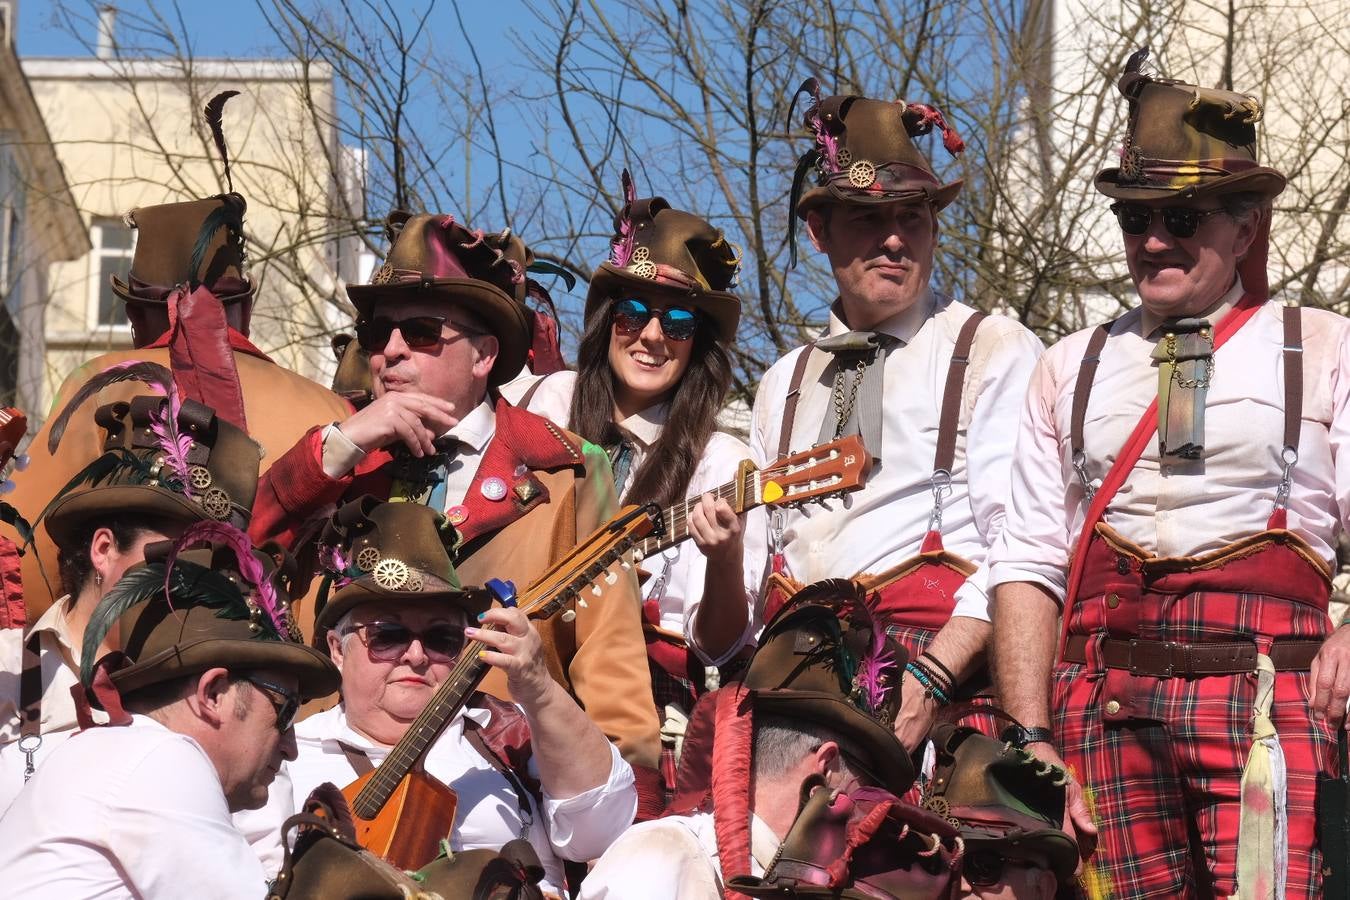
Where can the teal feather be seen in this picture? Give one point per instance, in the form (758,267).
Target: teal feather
(804,165)
(544,267)
(153,374)
(97,472)
(10,516)
(227,215)
(192,585)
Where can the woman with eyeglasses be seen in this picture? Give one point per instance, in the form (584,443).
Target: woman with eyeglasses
(652,377)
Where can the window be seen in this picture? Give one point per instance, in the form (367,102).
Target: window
(113,245)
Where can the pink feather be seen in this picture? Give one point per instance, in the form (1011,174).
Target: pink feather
(874,668)
(249,566)
(336,562)
(621,248)
(174,445)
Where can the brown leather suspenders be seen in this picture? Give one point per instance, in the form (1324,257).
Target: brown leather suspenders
(1293,399)
(952,392)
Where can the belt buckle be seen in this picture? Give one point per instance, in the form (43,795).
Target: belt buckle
(1168,664)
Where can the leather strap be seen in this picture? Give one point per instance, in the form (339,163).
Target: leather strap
(794,394)
(1293,375)
(952,393)
(30,688)
(1171,659)
(526,397)
(1082,389)
(523,794)
(357,759)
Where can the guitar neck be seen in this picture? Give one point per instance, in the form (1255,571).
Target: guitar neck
(448,700)
(742,494)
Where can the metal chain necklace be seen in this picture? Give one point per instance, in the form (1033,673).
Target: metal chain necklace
(843,408)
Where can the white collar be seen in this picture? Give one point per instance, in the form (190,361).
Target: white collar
(902,326)
(55,621)
(332,725)
(645,426)
(1150,322)
(477,428)
(764,842)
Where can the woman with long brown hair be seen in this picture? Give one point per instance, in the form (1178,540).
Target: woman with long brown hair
(652,377)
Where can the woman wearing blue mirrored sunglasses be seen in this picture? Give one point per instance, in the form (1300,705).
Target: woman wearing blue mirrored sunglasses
(652,376)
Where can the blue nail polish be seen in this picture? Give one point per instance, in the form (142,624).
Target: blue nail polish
(482,616)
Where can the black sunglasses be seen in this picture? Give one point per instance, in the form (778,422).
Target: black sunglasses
(286,703)
(984,866)
(1180,221)
(388,641)
(419,332)
(632,315)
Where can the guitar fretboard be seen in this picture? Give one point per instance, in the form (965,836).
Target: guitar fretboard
(676,517)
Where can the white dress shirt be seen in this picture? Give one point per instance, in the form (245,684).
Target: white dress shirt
(59,662)
(1192,508)
(487,815)
(884,524)
(679,573)
(674,858)
(474,432)
(134,811)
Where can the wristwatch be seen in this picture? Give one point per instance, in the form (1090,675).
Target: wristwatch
(1019,736)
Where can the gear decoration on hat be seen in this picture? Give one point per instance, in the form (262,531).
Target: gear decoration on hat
(199,477)
(843,158)
(391,574)
(862,174)
(415,581)
(368,558)
(383,275)
(642,254)
(216,504)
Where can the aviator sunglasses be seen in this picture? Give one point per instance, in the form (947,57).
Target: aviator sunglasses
(632,315)
(1180,221)
(419,332)
(283,701)
(388,641)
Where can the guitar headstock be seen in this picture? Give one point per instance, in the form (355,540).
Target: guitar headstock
(596,558)
(828,470)
(13,426)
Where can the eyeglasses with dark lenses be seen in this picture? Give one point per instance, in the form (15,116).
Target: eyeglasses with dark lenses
(286,703)
(677,324)
(419,332)
(1180,221)
(388,641)
(984,867)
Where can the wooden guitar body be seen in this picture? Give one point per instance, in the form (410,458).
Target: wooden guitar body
(409,829)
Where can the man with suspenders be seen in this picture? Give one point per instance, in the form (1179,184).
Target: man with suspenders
(1177,491)
(931,384)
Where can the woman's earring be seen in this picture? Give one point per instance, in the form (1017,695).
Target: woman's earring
(98,579)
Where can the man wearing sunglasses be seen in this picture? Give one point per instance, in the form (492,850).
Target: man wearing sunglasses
(1176,497)
(931,384)
(444,323)
(200,703)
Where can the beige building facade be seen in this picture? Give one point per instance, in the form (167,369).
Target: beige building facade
(129,132)
(39,227)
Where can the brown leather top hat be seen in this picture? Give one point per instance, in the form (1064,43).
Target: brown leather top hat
(228,606)
(188,467)
(864,152)
(431,256)
(1000,796)
(675,255)
(378,550)
(826,659)
(1186,141)
(863,844)
(197,242)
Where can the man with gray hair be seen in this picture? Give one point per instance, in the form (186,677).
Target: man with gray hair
(795,720)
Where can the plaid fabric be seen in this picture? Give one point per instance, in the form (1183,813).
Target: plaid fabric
(672,690)
(1162,771)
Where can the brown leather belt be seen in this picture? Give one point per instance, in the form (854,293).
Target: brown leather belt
(1167,659)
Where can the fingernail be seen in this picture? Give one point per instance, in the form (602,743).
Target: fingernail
(482,616)
(482,654)
(470,632)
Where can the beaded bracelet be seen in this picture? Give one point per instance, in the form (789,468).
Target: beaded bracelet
(946,685)
(931,690)
(934,661)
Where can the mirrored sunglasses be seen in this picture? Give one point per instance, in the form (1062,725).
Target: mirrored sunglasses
(677,324)
(286,703)
(388,641)
(1180,221)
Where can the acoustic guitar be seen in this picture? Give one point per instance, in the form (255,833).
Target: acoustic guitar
(401,812)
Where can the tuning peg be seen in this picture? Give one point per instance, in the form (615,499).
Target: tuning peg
(637,556)
(581,604)
(595,590)
(625,564)
(568,615)
(6,486)
(611,576)
(21,461)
